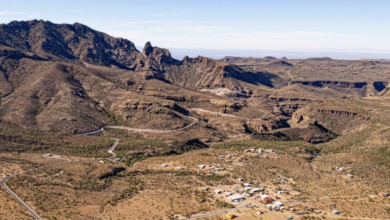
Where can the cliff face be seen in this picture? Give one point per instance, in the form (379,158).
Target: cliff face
(360,89)
(206,73)
(79,43)
(65,42)
(338,121)
(268,124)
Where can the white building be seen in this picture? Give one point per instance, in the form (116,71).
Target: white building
(164,165)
(247,184)
(264,196)
(247,188)
(256,190)
(202,166)
(248,194)
(277,204)
(240,179)
(236,198)
(337,212)
(179,168)
(217,191)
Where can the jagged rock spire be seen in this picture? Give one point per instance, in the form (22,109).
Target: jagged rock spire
(148,49)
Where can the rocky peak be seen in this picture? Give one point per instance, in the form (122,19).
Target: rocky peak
(148,49)
(160,55)
(65,42)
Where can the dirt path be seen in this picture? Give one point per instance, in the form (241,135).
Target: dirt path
(195,122)
(226,115)
(198,216)
(3,182)
(289,74)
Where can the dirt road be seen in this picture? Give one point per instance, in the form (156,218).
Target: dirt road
(3,182)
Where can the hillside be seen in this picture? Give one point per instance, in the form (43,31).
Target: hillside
(71,78)
(352,77)
(104,131)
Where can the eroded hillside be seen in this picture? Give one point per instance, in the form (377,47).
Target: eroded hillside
(167,133)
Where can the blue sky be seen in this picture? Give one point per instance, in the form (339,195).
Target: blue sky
(305,25)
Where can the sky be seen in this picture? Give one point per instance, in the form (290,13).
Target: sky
(318,27)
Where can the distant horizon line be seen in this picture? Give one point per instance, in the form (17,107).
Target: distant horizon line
(179,53)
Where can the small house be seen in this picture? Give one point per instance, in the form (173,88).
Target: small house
(164,165)
(236,198)
(228,193)
(179,168)
(277,204)
(350,176)
(247,188)
(247,184)
(254,190)
(337,212)
(264,196)
(259,212)
(267,200)
(248,194)
(205,189)
(217,191)
(240,179)
(202,166)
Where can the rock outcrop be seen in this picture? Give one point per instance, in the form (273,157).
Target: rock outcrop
(338,121)
(226,106)
(177,98)
(268,124)
(359,89)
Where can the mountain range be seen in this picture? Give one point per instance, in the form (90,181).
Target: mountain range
(71,78)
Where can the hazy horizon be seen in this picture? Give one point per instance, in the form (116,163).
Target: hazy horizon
(179,53)
(300,28)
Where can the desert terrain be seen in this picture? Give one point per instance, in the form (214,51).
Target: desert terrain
(92,128)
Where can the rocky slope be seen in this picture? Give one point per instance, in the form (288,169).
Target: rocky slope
(71,78)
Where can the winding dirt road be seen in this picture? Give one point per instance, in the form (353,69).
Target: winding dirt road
(199,110)
(289,74)
(195,122)
(214,213)
(111,151)
(3,182)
